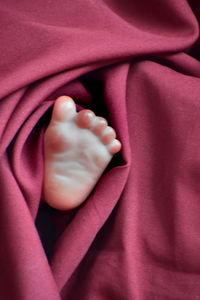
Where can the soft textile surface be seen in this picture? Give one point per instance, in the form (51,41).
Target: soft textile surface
(137,64)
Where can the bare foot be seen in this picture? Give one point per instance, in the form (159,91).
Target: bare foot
(77,149)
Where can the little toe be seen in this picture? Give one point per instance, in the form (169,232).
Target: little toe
(64,109)
(108,135)
(85,118)
(114,146)
(99,125)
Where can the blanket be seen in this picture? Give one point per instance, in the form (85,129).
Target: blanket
(136,63)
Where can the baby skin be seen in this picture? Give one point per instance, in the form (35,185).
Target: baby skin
(78,146)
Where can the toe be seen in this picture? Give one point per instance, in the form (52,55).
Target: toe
(85,118)
(64,109)
(99,125)
(114,146)
(108,135)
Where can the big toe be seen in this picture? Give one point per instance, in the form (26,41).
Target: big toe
(64,109)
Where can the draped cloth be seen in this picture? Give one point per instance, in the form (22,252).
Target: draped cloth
(136,63)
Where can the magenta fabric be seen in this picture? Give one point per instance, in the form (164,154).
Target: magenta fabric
(137,64)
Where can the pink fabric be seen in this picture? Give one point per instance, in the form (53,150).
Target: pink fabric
(137,64)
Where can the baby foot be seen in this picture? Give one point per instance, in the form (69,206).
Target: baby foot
(77,148)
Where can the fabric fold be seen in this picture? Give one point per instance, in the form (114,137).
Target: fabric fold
(137,65)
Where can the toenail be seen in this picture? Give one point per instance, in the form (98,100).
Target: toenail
(89,113)
(108,131)
(102,121)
